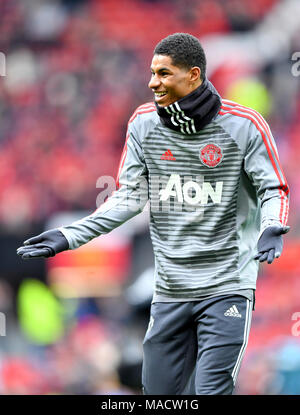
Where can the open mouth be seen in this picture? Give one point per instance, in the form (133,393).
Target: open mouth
(160,94)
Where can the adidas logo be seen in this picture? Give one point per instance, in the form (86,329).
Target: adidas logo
(168,156)
(232,312)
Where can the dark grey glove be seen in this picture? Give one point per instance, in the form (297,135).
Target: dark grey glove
(270,243)
(45,245)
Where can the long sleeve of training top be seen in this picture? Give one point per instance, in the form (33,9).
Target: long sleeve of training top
(263,167)
(261,164)
(127,201)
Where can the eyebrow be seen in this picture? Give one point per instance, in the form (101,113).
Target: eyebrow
(161,69)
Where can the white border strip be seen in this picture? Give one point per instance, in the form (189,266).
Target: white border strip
(245,341)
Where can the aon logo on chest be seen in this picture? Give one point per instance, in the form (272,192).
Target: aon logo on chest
(191,192)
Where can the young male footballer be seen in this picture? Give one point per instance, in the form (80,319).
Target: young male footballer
(219,205)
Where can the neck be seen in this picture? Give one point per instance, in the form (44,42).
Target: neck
(193,112)
(196,85)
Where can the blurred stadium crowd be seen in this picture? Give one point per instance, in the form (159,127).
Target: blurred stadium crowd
(75,72)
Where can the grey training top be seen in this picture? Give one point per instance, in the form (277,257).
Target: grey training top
(211,194)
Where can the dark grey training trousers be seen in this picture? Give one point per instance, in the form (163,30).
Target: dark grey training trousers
(196,347)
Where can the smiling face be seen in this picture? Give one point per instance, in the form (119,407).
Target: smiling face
(170,82)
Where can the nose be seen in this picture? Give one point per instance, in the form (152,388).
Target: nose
(154,82)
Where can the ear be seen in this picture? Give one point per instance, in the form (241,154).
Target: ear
(195,73)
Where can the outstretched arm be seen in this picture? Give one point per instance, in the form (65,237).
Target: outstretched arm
(126,202)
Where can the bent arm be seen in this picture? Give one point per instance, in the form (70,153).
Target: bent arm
(263,167)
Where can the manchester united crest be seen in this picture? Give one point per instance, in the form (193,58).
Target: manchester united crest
(211,155)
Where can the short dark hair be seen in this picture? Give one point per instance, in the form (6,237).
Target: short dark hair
(185,50)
